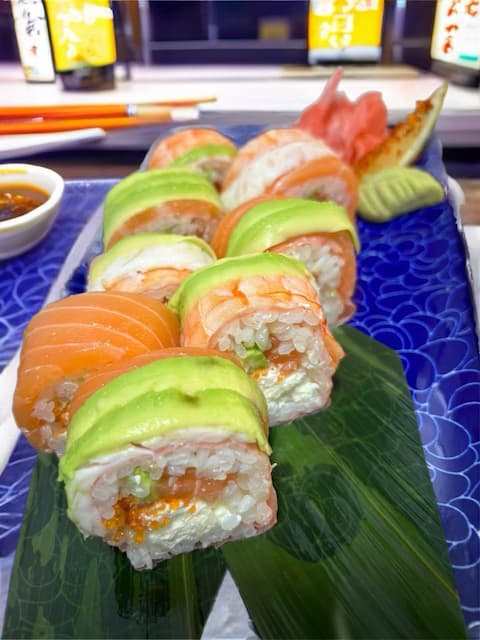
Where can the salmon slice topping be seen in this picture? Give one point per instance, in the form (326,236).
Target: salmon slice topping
(322,179)
(167,217)
(259,145)
(69,339)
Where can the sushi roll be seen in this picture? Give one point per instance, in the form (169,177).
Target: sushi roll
(163,200)
(150,263)
(205,150)
(69,339)
(320,234)
(258,145)
(170,456)
(264,309)
(292,163)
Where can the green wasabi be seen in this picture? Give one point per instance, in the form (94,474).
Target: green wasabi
(395,191)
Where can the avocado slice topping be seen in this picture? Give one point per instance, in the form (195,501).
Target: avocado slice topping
(186,374)
(227,269)
(156,413)
(202,151)
(135,243)
(143,189)
(272,222)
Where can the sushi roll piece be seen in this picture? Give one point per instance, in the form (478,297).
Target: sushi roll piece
(258,145)
(170,456)
(291,163)
(203,149)
(150,263)
(177,201)
(320,234)
(69,339)
(265,310)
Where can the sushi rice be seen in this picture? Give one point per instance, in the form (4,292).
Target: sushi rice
(326,267)
(51,409)
(289,393)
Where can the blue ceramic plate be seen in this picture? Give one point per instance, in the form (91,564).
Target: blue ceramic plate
(413,295)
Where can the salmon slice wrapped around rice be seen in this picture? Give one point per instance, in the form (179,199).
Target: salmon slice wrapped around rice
(264,309)
(319,234)
(153,264)
(169,455)
(67,341)
(171,200)
(256,146)
(292,163)
(203,149)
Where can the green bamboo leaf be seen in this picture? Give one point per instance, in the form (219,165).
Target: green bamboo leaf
(183,596)
(358,550)
(66,587)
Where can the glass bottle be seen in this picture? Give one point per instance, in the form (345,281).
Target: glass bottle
(33,42)
(83,43)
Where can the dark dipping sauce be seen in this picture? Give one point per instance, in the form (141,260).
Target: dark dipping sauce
(18,199)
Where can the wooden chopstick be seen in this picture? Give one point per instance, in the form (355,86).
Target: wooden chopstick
(50,126)
(93,110)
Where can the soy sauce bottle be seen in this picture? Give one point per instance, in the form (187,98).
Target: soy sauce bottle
(82,37)
(33,41)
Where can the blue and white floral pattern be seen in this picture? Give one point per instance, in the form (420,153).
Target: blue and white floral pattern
(24,284)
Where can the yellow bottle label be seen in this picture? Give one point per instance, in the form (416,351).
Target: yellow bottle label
(81,32)
(338,24)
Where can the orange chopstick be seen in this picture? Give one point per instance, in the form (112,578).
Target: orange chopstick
(94,110)
(50,126)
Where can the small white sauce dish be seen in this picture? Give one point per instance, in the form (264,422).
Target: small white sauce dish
(19,234)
